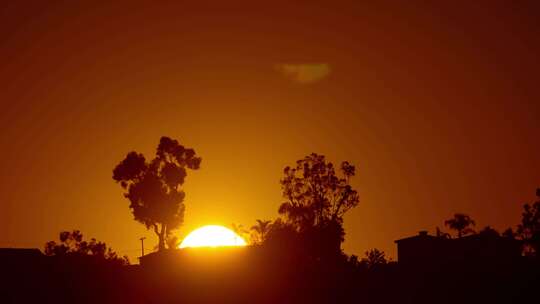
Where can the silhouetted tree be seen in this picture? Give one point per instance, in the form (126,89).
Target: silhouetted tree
(317,198)
(260,231)
(72,244)
(282,234)
(529,229)
(488,231)
(374,258)
(461,223)
(154,187)
(241,231)
(509,233)
(353,261)
(173,242)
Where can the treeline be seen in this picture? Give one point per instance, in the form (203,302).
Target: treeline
(316,196)
(295,258)
(527,231)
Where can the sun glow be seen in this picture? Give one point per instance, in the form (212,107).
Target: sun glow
(212,236)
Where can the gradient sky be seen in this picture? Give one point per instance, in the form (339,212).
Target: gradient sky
(437,105)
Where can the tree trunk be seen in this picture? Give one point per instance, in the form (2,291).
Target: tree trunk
(161,236)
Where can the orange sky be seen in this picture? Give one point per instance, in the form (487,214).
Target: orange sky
(437,106)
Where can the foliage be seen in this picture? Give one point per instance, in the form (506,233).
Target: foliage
(509,233)
(283,235)
(374,258)
(462,223)
(259,231)
(240,230)
(72,243)
(316,197)
(154,188)
(489,232)
(279,230)
(353,261)
(173,242)
(529,229)
(315,194)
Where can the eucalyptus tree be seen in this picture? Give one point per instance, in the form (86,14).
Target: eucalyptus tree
(154,188)
(317,196)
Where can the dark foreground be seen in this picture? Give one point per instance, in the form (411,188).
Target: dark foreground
(251,276)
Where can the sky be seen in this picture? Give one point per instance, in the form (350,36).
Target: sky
(436,104)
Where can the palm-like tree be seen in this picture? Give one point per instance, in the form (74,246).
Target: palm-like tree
(240,231)
(462,223)
(260,231)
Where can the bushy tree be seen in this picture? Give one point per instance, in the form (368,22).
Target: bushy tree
(461,223)
(489,232)
(316,200)
(353,261)
(315,194)
(154,188)
(72,244)
(374,258)
(529,229)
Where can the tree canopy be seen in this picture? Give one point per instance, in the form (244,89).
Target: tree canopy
(529,228)
(461,223)
(315,194)
(374,258)
(316,198)
(72,244)
(154,188)
(260,230)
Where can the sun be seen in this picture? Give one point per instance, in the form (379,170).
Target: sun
(212,236)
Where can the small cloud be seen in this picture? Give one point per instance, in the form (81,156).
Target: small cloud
(304,73)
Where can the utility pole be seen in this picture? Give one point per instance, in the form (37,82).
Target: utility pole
(142,246)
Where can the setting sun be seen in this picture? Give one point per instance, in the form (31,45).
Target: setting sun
(212,236)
